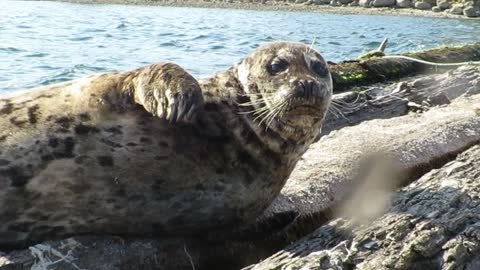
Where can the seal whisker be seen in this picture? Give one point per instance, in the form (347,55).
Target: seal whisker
(279,111)
(347,106)
(267,111)
(338,111)
(271,116)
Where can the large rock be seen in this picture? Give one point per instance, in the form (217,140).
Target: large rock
(321,2)
(431,2)
(423,5)
(436,9)
(444,4)
(365,3)
(383,3)
(404,3)
(471,11)
(344,2)
(457,10)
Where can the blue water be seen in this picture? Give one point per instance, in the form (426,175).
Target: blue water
(47,42)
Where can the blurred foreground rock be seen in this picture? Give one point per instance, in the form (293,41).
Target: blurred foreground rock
(377,141)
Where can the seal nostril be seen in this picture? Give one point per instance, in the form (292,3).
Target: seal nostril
(303,88)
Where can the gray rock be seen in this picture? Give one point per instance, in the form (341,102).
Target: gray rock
(456,10)
(300,1)
(383,3)
(404,3)
(365,3)
(471,11)
(321,2)
(334,3)
(354,4)
(345,2)
(423,5)
(436,9)
(444,4)
(431,2)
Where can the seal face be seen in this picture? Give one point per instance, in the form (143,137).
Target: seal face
(289,86)
(154,151)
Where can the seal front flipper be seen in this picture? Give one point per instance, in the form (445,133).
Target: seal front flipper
(166,90)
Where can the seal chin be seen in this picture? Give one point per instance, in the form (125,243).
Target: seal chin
(306,109)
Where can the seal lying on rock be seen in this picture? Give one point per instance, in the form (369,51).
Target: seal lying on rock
(155,151)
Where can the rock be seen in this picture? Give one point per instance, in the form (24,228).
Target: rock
(471,11)
(430,222)
(456,10)
(423,5)
(300,1)
(365,3)
(354,4)
(404,3)
(431,2)
(344,2)
(334,3)
(444,5)
(383,3)
(436,9)
(321,2)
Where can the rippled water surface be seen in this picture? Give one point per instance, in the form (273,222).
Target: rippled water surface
(48,42)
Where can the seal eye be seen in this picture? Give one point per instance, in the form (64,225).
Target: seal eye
(278,66)
(320,69)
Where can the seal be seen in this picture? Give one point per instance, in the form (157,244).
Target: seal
(154,151)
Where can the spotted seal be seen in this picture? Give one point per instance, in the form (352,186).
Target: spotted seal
(154,150)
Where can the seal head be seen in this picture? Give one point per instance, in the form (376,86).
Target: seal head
(288,86)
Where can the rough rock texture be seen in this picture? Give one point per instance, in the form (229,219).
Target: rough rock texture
(365,3)
(404,3)
(471,11)
(444,4)
(456,10)
(423,5)
(418,142)
(431,2)
(393,100)
(434,223)
(383,3)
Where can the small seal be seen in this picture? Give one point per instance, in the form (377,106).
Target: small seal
(154,151)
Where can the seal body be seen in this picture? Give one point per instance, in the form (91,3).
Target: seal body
(153,150)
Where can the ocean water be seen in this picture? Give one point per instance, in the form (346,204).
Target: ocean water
(45,42)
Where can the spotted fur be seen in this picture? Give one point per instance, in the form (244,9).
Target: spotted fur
(153,150)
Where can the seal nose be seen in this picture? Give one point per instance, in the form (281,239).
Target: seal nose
(309,89)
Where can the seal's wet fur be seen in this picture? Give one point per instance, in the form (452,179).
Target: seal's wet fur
(155,151)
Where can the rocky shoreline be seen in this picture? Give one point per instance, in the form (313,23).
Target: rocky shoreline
(418,8)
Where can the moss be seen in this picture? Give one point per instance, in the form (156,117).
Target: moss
(352,76)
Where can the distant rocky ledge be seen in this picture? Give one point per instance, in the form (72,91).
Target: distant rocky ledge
(423,8)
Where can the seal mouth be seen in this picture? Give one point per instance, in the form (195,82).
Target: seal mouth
(304,106)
